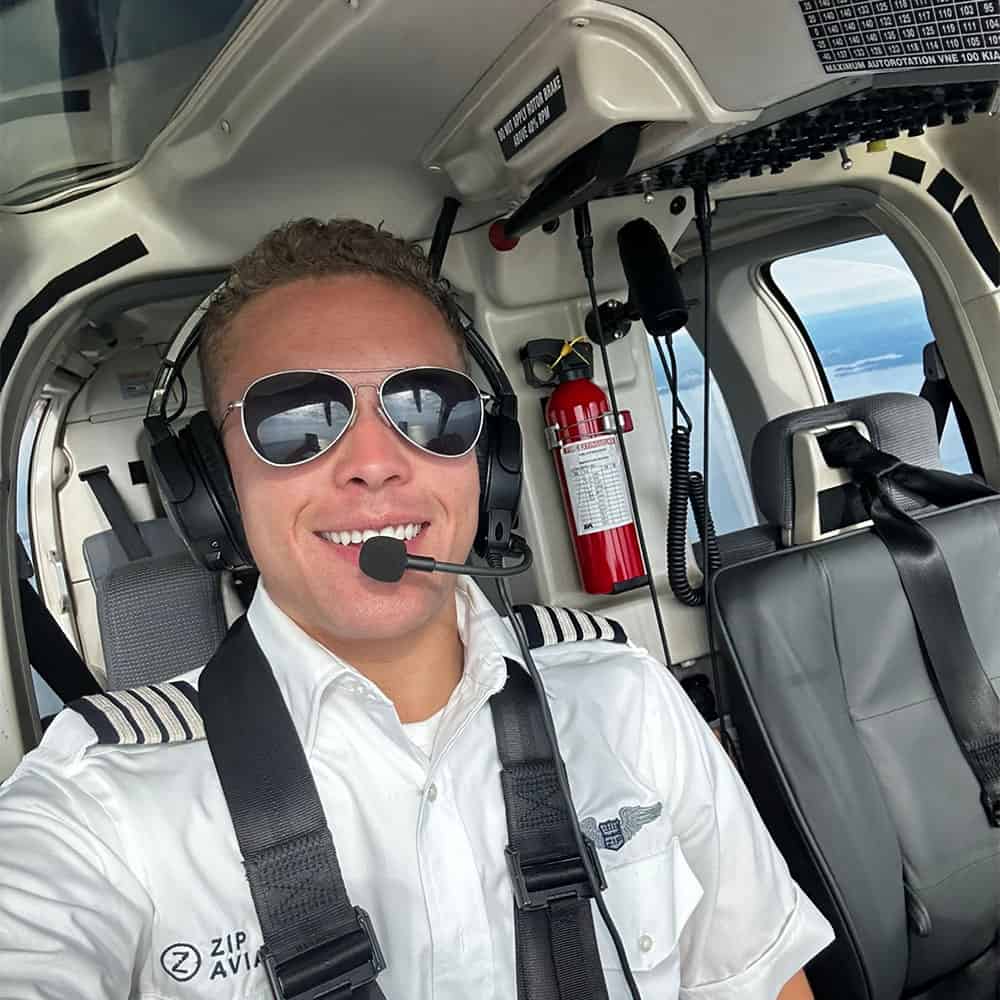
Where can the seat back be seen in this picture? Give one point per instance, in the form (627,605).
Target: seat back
(804,497)
(850,756)
(159,616)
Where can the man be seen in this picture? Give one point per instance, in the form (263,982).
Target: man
(120,874)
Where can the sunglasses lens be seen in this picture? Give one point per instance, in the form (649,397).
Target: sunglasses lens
(294,416)
(438,410)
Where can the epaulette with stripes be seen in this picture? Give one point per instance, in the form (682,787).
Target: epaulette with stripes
(143,716)
(547,626)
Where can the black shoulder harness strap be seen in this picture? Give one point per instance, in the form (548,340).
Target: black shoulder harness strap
(316,943)
(557,956)
(962,685)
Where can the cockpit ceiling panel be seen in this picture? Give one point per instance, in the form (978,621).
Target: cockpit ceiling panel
(354,99)
(755,53)
(749,54)
(692,74)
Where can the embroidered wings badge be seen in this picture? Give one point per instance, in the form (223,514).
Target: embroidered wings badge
(613,834)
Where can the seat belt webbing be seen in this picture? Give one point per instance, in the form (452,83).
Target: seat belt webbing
(936,388)
(960,682)
(556,947)
(316,943)
(52,655)
(937,392)
(99,480)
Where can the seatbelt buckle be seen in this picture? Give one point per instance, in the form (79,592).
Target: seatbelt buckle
(351,961)
(538,883)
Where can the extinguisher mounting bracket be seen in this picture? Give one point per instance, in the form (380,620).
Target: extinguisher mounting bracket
(605,423)
(546,363)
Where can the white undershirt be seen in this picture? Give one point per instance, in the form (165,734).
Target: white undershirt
(422,734)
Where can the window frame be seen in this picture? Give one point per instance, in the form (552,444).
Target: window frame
(958,411)
(792,313)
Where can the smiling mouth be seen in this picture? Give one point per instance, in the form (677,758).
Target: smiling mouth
(402,532)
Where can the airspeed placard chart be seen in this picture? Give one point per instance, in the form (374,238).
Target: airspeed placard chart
(902,34)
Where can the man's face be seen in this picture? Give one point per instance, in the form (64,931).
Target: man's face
(372,477)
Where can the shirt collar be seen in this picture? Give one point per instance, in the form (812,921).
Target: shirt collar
(305,669)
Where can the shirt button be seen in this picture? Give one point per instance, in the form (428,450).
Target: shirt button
(432,792)
(645,943)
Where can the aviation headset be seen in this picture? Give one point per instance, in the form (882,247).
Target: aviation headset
(190,469)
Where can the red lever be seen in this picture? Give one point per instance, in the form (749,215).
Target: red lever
(499,239)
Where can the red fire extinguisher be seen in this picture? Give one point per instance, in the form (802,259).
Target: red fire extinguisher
(580,433)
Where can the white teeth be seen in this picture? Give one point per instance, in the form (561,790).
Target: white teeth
(402,532)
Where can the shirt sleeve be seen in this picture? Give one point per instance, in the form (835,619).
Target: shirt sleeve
(72,916)
(754,928)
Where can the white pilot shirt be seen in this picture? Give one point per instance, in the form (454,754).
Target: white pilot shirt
(120,875)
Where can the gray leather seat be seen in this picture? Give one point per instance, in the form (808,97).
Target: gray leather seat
(847,750)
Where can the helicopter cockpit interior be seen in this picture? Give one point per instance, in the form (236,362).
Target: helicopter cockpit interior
(762,235)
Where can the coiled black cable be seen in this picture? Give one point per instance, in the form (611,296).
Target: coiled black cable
(687,487)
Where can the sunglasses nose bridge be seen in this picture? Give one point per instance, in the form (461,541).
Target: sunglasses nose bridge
(376,402)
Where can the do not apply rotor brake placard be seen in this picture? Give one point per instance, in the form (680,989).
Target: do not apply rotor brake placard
(532,115)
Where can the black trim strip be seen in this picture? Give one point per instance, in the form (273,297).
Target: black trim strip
(907,167)
(618,631)
(978,239)
(794,316)
(101,264)
(945,189)
(529,619)
(188,691)
(554,623)
(168,692)
(153,714)
(594,623)
(97,720)
(577,627)
(140,736)
(56,102)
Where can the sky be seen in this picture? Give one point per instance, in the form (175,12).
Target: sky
(845,276)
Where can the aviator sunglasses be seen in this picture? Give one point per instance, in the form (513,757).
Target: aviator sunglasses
(292,417)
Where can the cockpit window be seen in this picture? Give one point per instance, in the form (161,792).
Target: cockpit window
(863,310)
(86,85)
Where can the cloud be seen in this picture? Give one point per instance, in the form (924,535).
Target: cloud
(815,284)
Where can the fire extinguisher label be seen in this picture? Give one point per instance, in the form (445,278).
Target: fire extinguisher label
(595,481)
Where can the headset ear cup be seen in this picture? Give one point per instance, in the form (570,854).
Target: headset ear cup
(483,459)
(500,484)
(205,440)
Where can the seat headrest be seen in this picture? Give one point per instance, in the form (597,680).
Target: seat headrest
(896,422)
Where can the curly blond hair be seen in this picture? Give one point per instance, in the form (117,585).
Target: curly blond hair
(309,248)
